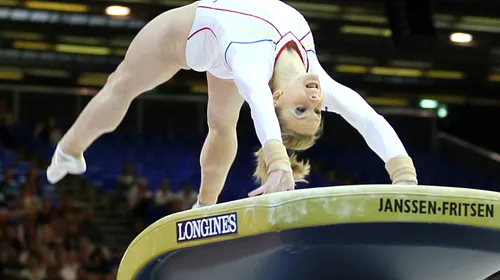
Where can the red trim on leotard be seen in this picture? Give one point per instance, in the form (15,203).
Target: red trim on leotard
(303,47)
(201,29)
(303,37)
(296,48)
(241,13)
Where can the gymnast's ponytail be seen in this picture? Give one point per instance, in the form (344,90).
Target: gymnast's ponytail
(300,169)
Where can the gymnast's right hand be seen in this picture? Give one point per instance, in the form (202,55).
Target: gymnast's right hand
(280,175)
(278,181)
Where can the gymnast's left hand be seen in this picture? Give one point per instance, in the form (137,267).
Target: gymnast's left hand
(401,170)
(278,181)
(406,182)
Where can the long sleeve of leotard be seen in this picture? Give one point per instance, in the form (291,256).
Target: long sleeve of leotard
(252,67)
(377,132)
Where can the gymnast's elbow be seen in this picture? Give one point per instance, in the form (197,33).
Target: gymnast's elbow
(377,119)
(374,125)
(381,136)
(371,120)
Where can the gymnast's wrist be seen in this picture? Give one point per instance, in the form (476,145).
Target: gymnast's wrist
(276,157)
(401,169)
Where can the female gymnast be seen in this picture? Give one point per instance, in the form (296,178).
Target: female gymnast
(258,51)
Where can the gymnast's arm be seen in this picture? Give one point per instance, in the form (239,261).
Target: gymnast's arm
(252,73)
(377,132)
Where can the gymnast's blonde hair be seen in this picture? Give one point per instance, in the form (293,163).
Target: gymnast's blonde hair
(293,142)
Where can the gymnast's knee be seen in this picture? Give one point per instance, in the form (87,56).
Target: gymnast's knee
(224,145)
(228,133)
(222,126)
(121,84)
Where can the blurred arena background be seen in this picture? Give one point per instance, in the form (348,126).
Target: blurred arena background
(432,68)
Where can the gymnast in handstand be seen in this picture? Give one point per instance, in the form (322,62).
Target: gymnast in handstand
(258,51)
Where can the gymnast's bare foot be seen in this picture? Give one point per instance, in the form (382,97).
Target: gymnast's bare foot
(198,204)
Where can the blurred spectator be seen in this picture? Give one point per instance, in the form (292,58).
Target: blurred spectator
(30,248)
(82,274)
(72,240)
(30,201)
(6,121)
(48,131)
(187,196)
(66,208)
(164,197)
(97,264)
(139,198)
(35,269)
(48,239)
(85,249)
(87,227)
(3,201)
(116,254)
(54,274)
(30,227)
(56,230)
(11,264)
(125,182)
(46,212)
(70,266)
(4,218)
(31,178)
(9,185)
(126,179)
(12,236)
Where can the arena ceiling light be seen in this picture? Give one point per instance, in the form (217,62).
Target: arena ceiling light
(366,30)
(354,69)
(428,104)
(400,72)
(117,11)
(89,50)
(93,79)
(32,45)
(387,101)
(461,38)
(442,111)
(57,6)
(445,74)
(11,74)
(494,78)
(9,2)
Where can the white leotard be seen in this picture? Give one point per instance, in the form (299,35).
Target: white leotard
(241,39)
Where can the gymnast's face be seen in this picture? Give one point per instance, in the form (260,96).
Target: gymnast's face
(299,102)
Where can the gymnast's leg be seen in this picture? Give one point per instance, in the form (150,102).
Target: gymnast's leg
(154,56)
(221,144)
